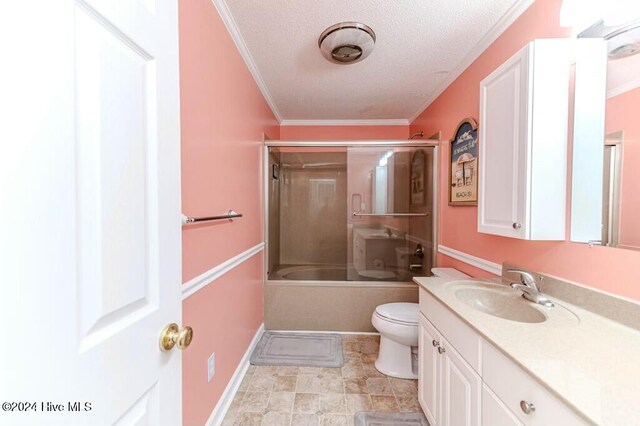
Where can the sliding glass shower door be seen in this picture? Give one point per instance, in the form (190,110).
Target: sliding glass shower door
(350,213)
(389,226)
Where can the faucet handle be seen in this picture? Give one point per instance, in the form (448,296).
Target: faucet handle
(526,278)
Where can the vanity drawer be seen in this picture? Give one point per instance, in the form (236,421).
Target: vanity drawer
(460,335)
(512,385)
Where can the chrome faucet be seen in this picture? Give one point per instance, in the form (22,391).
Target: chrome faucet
(530,289)
(419,253)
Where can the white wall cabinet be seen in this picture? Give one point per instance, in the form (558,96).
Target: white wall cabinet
(523,144)
(454,391)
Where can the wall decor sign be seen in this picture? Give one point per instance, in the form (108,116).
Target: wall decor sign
(463,156)
(417,178)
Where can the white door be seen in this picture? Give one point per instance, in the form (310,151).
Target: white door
(461,390)
(504,122)
(90,242)
(429,362)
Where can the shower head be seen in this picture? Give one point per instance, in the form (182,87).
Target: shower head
(420,134)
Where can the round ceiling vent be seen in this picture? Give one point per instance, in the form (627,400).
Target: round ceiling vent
(347,42)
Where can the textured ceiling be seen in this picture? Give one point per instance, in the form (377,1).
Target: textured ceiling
(421,46)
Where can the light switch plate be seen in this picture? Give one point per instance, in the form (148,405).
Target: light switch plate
(211,367)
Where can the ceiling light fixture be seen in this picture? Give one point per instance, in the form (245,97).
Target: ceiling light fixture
(347,42)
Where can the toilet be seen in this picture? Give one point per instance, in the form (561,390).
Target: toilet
(398,327)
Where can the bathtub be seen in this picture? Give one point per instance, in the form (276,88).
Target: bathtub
(313,273)
(336,273)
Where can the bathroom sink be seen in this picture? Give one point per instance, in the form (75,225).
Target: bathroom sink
(503,304)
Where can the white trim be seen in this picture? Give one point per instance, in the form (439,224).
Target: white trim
(348,143)
(206,278)
(232,27)
(494,268)
(501,26)
(221,408)
(363,122)
(623,88)
(346,333)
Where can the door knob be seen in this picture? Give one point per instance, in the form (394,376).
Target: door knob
(173,335)
(517,226)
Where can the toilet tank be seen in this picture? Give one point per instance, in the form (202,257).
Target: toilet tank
(448,273)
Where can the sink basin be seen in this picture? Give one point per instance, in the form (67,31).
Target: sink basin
(507,305)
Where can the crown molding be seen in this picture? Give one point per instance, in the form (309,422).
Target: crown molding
(622,88)
(232,27)
(501,26)
(364,122)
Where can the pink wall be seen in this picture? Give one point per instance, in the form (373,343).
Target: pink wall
(604,268)
(622,115)
(223,116)
(343,132)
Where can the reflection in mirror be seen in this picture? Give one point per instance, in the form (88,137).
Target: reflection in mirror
(621,198)
(620,150)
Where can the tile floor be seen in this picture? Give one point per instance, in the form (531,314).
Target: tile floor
(308,396)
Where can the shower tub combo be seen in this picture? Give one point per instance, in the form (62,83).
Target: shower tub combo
(349,224)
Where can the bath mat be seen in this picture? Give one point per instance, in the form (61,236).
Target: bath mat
(390,419)
(299,349)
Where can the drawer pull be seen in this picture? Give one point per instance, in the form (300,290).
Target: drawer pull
(527,407)
(441,350)
(517,226)
(435,343)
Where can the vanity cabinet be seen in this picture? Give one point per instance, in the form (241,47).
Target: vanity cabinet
(465,381)
(523,144)
(450,391)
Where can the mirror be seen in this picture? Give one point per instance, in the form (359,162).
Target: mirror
(389,177)
(606,178)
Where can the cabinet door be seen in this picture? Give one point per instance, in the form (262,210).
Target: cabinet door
(494,412)
(504,135)
(428,371)
(461,390)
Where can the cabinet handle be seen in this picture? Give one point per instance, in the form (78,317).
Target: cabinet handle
(527,407)
(435,343)
(441,350)
(517,226)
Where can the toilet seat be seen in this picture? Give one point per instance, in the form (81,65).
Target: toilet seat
(399,313)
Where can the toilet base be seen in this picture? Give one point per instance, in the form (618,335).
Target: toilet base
(395,360)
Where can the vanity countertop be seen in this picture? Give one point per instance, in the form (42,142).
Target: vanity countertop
(592,364)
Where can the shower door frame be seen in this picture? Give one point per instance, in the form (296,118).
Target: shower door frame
(431,142)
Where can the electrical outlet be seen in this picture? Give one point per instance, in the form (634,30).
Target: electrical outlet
(211,367)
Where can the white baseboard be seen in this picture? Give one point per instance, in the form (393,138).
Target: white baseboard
(347,333)
(494,268)
(221,408)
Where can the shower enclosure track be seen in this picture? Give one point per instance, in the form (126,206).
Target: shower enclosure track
(355,214)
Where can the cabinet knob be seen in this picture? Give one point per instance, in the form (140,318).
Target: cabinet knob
(527,407)
(435,343)
(441,350)
(517,226)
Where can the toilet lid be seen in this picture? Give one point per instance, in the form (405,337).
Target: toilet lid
(401,312)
